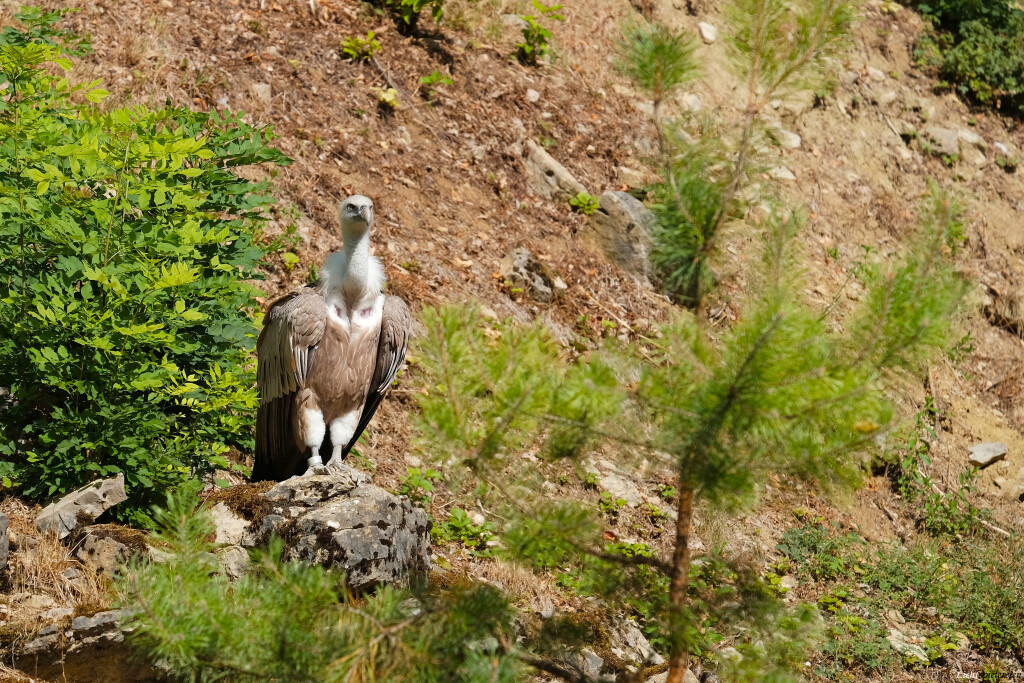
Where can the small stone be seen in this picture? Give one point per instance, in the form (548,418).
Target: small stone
(975,156)
(549,177)
(708,33)
(1000,482)
(690,102)
(233,561)
(82,506)
(781,173)
(532,96)
(262,92)
(876,74)
(487,312)
(404,136)
(274,51)
(789,582)
(230,527)
(56,613)
(895,617)
(943,140)
(620,486)
(849,77)
(984,454)
(526,273)
(621,229)
(909,651)
(514,21)
(631,177)
(887,98)
(971,138)
(786,139)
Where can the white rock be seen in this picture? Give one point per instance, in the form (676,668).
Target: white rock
(262,92)
(234,561)
(944,140)
(532,95)
(708,33)
(621,487)
(781,173)
(787,139)
(984,454)
(887,98)
(876,74)
(971,138)
(904,647)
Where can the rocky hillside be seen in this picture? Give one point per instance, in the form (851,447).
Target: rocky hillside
(471,181)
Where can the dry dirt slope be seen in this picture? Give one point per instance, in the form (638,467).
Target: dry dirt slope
(453,197)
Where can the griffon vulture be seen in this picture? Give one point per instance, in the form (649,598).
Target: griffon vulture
(327,354)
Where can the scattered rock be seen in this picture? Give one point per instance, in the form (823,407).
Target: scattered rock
(621,229)
(102,555)
(514,21)
(690,102)
(895,617)
(971,138)
(629,643)
(262,92)
(56,613)
(37,602)
(589,662)
(708,32)
(781,173)
(786,139)
(910,652)
(81,507)
(632,177)
(404,136)
(532,95)
(549,177)
(688,677)
(526,273)
(230,527)
(620,486)
(887,98)
(4,541)
(342,520)
(876,74)
(233,560)
(789,582)
(943,140)
(984,454)
(975,156)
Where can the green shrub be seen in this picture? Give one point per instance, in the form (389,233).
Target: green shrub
(408,13)
(536,37)
(360,49)
(125,241)
(434,78)
(979,47)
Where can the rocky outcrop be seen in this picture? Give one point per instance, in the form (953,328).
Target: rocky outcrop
(82,507)
(340,520)
(547,176)
(621,229)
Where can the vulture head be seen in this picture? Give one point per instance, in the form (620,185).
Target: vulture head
(356,214)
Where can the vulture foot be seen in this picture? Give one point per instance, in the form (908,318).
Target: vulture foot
(316,466)
(335,462)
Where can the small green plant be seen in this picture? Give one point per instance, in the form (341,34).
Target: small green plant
(360,49)
(290,260)
(610,505)
(312,274)
(387,98)
(585,203)
(433,79)
(418,485)
(460,528)
(667,492)
(654,513)
(1007,163)
(408,13)
(590,480)
(536,41)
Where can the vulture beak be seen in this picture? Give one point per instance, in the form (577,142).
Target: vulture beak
(366,212)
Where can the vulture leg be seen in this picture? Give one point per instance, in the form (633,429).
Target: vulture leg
(310,430)
(342,430)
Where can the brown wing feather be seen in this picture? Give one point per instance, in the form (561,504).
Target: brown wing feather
(293,327)
(395,326)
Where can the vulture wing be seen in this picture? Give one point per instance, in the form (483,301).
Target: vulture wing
(394,340)
(291,332)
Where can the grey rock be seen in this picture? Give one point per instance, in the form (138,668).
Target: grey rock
(37,602)
(984,454)
(5,544)
(372,535)
(708,32)
(102,555)
(620,486)
(621,229)
(532,95)
(789,582)
(910,652)
(525,272)
(307,491)
(341,520)
(629,643)
(887,98)
(969,137)
(876,74)
(975,156)
(82,507)
(589,662)
(691,102)
(230,527)
(688,677)
(262,92)
(547,176)
(786,139)
(781,173)
(514,21)
(632,177)
(98,622)
(233,560)
(56,613)
(943,140)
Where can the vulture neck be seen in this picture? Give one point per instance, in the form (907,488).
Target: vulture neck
(351,273)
